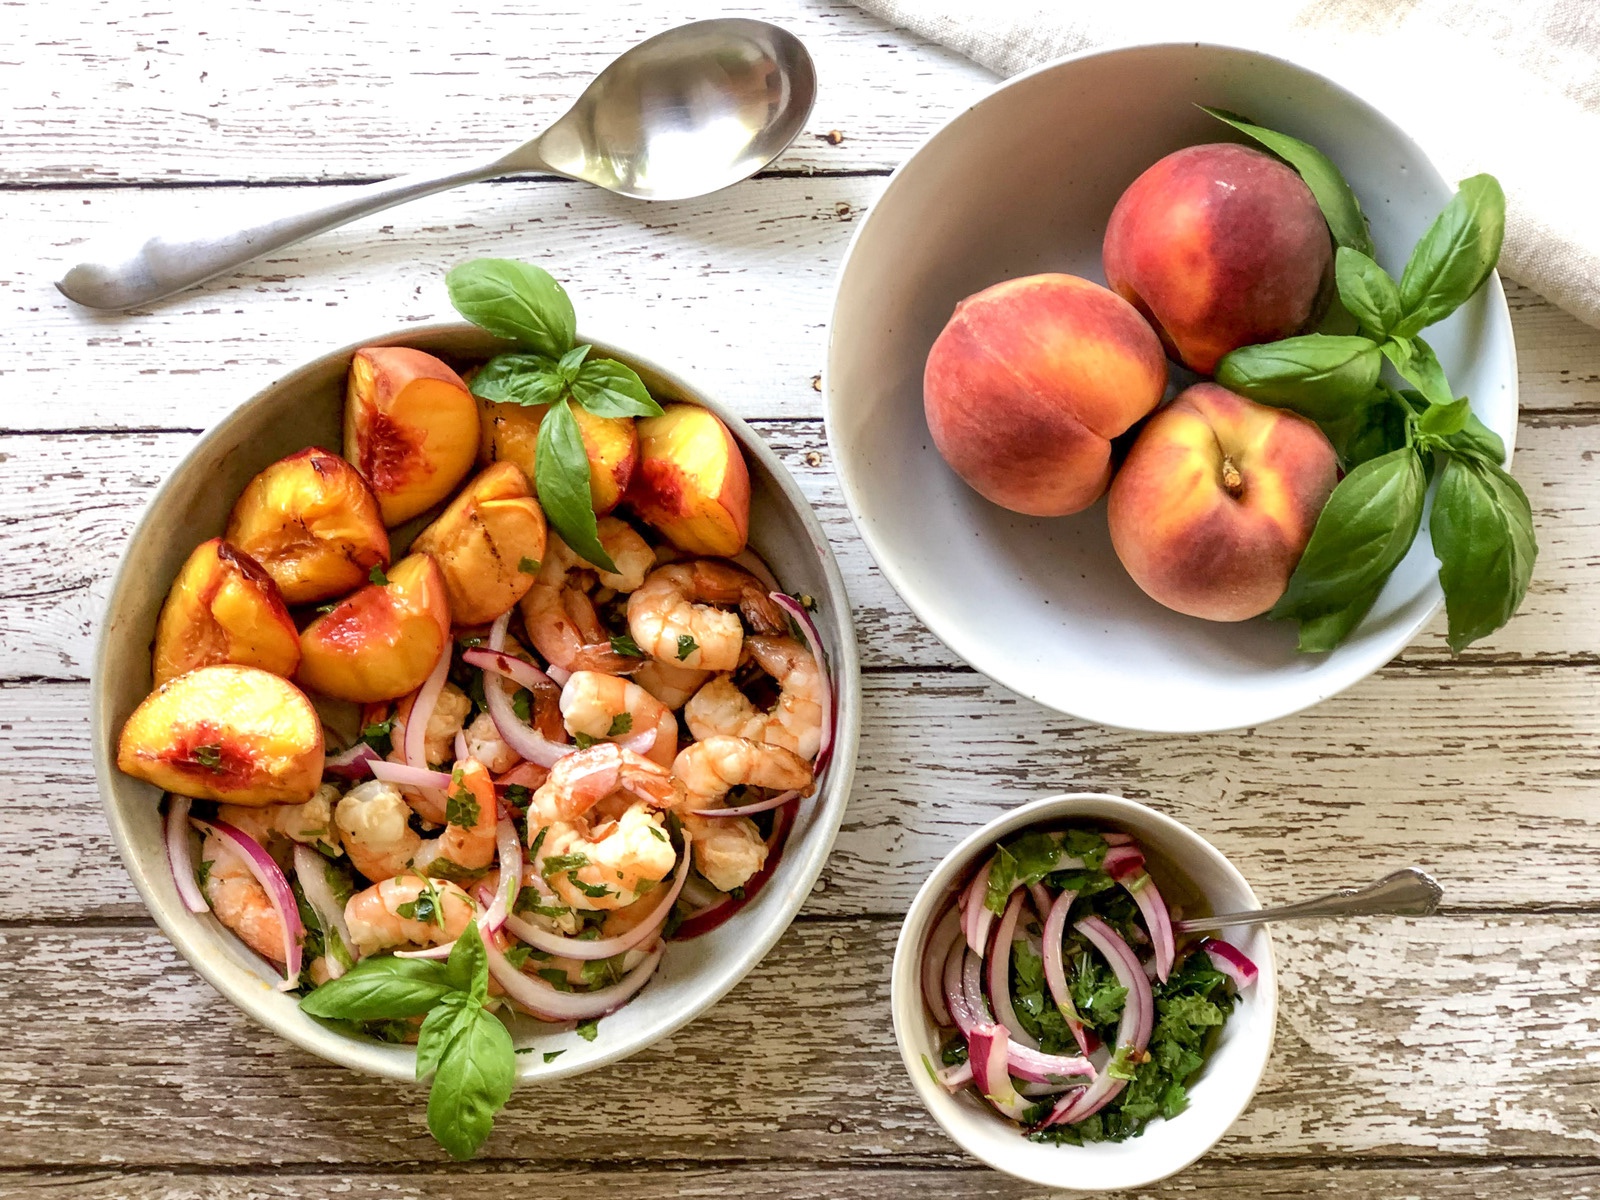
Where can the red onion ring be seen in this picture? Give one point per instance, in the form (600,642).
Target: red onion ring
(747,810)
(1113,838)
(999,971)
(526,741)
(946,933)
(1055,967)
(955,995)
(351,764)
(1156,917)
(404,773)
(509,847)
(987,1051)
(955,1078)
(559,674)
(972,986)
(813,640)
(180,854)
(414,748)
(544,1000)
(978,917)
(310,868)
(271,878)
(592,951)
(1231,961)
(461,747)
(1122,860)
(1038,1067)
(1133,1030)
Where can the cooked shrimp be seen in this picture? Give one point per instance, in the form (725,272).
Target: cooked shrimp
(278,826)
(596,814)
(632,555)
(674,616)
(668,682)
(795,722)
(238,901)
(484,744)
(727,850)
(449,714)
(374,824)
(608,707)
(561,619)
(710,769)
(407,910)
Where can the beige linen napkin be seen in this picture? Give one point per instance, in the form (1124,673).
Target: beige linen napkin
(1506,86)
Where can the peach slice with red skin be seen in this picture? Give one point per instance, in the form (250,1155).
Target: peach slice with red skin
(312,523)
(692,483)
(223,608)
(1216,502)
(411,427)
(382,641)
(510,433)
(488,544)
(236,734)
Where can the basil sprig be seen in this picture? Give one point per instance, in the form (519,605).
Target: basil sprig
(1394,441)
(524,303)
(462,1045)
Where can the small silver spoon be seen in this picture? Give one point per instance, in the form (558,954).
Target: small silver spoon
(689,111)
(1406,893)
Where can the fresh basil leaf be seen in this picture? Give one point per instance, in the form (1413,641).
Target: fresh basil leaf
(472,1083)
(1334,196)
(1455,256)
(1320,634)
(515,300)
(608,388)
(561,477)
(1442,420)
(468,964)
(1477,439)
(1366,290)
(439,1028)
(1364,531)
(588,1029)
(376,989)
(1419,365)
(1321,376)
(1374,429)
(572,362)
(519,379)
(1482,527)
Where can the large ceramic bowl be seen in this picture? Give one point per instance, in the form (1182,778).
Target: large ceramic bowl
(303,409)
(1023,182)
(1191,871)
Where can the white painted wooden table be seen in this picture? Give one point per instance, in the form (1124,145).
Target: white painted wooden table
(1452,1057)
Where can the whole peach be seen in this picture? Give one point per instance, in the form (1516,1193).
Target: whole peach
(1216,502)
(1220,246)
(1029,382)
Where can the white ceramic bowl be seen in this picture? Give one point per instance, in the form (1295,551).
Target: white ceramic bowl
(304,408)
(1220,1092)
(1023,182)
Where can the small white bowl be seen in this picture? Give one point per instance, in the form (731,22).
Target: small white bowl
(1023,182)
(1220,1092)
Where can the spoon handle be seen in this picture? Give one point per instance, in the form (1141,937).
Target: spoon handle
(168,263)
(1405,893)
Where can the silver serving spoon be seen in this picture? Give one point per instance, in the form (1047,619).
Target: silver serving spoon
(1407,893)
(687,112)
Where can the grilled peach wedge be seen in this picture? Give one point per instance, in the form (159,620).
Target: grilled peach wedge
(381,642)
(692,483)
(312,523)
(510,433)
(223,608)
(231,733)
(410,425)
(488,544)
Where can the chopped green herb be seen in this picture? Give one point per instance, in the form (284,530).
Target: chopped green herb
(522,705)
(528,566)
(555,977)
(425,908)
(582,740)
(660,833)
(517,956)
(557,863)
(620,724)
(325,609)
(203,872)
(517,796)
(603,972)
(551,1055)
(461,806)
(595,891)
(209,757)
(377,576)
(623,644)
(686,646)
(587,1029)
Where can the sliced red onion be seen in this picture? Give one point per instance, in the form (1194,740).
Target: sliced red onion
(979,919)
(352,763)
(409,776)
(592,951)
(955,995)
(701,894)
(1041,898)
(526,741)
(461,747)
(999,970)
(987,1051)
(1121,860)
(747,810)
(757,566)
(442,950)
(1055,967)
(544,1000)
(972,986)
(311,869)
(520,672)
(559,674)
(1231,961)
(705,922)
(946,933)
(271,878)
(509,847)
(640,743)
(813,640)
(421,713)
(1035,1065)
(180,854)
(955,1078)
(1035,1091)
(1113,838)
(1133,1030)
(1157,919)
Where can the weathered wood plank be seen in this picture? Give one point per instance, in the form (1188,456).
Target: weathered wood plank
(1474,773)
(1213,1178)
(1466,1036)
(294,91)
(68,503)
(734,289)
